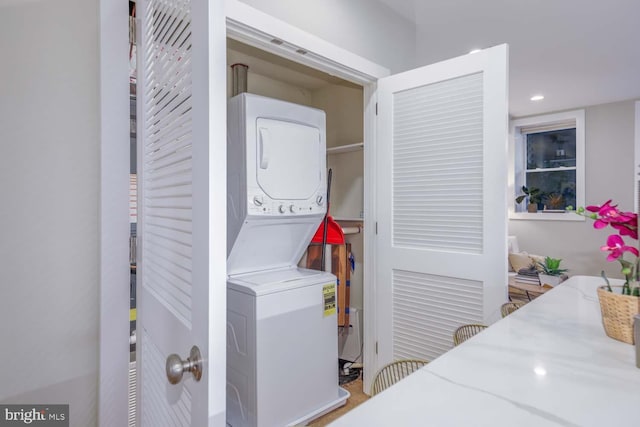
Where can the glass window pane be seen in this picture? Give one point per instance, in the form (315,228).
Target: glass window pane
(558,187)
(551,149)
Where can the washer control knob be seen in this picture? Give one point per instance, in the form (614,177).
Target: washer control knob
(282,209)
(319,200)
(292,209)
(257,200)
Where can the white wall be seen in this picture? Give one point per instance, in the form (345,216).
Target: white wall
(364,27)
(267,86)
(49,181)
(609,133)
(344,107)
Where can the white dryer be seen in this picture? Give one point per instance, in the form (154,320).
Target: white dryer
(282,355)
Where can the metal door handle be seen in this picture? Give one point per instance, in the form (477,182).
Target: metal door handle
(176,367)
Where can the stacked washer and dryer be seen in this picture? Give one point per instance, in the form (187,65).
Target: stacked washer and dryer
(282,355)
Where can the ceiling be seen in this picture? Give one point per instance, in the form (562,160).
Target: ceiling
(575,52)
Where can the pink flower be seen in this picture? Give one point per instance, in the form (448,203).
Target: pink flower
(625,222)
(605,206)
(626,230)
(616,247)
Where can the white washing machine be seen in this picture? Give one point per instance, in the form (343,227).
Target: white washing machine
(282,355)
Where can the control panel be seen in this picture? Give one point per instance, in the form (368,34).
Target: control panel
(262,205)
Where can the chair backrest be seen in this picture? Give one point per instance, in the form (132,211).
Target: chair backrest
(509,307)
(465,332)
(394,372)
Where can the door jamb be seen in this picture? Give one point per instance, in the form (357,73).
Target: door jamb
(113,276)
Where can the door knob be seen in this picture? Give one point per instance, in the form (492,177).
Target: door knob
(176,367)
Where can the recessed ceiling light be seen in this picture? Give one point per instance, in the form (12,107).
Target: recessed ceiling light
(537,97)
(540,371)
(474,51)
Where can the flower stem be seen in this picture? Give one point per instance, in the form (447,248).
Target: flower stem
(604,276)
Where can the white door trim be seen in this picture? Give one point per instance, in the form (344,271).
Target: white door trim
(212,69)
(370,283)
(255,28)
(114,273)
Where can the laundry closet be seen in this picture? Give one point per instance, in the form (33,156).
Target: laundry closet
(279,78)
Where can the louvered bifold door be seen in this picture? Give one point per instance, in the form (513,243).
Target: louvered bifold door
(174,254)
(441,175)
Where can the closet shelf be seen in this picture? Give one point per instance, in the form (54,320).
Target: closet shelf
(345,148)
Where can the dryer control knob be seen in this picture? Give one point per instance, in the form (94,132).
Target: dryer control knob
(292,209)
(319,200)
(257,200)
(282,209)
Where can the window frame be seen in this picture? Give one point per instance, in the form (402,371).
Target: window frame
(517,167)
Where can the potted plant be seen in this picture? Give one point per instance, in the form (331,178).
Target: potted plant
(618,304)
(535,198)
(555,201)
(550,272)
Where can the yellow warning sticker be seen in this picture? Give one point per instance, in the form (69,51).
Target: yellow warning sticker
(329,298)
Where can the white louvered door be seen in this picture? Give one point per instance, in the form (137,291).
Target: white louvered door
(181,201)
(441,203)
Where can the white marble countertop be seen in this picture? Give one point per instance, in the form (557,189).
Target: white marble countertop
(547,364)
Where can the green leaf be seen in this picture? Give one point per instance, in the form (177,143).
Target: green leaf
(552,263)
(551,266)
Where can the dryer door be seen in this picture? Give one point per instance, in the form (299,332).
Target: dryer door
(288,159)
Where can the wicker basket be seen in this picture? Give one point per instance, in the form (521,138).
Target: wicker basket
(617,313)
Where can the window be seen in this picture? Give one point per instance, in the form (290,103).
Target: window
(547,154)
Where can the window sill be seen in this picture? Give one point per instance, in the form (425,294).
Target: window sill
(546,216)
